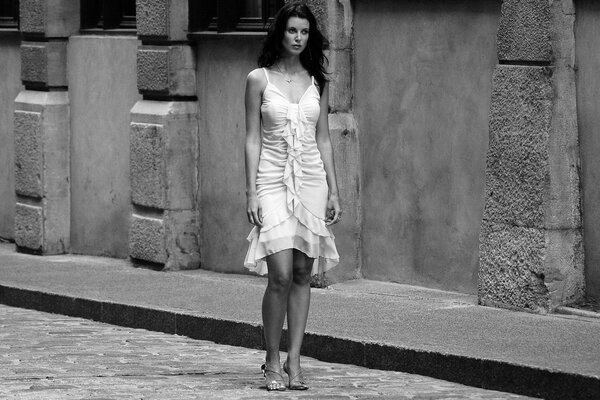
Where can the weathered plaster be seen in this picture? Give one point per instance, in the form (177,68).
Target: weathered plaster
(102,88)
(10,85)
(422,98)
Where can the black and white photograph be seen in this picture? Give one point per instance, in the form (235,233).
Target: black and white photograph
(299,199)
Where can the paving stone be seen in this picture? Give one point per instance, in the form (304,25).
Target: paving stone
(50,356)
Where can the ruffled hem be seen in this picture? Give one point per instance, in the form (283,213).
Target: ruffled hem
(320,246)
(313,223)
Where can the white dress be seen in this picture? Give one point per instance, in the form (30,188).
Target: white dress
(291,183)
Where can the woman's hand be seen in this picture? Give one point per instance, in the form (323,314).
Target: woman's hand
(334,211)
(254,210)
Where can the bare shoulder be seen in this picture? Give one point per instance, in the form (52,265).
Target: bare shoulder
(256,79)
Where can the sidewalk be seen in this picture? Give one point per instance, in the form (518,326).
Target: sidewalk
(378,325)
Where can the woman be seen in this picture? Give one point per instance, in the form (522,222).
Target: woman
(292,194)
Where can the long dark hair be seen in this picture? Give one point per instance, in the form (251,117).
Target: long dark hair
(312,58)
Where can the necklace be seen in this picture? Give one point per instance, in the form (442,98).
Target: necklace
(286,77)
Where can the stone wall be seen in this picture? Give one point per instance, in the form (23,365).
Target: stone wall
(163,133)
(42,127)
(531,248)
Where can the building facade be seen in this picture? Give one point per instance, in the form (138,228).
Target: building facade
(465,136)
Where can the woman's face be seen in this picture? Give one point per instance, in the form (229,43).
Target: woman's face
(295,37)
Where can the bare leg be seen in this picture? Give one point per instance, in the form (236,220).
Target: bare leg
(297,309)
(274,303)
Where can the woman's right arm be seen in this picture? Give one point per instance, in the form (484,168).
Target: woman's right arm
(254,87)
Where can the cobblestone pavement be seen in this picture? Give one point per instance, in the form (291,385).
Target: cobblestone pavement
(49,356)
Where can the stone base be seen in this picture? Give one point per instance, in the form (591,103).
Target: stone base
(164,182)
(42,143)
(170,239)
(529,268)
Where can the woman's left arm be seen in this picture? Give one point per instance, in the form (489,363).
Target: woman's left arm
(334,211)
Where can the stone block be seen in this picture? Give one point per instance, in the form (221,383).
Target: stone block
(166,70)
(54,134)
(44,62)
(517,172)
(511,267)
(33,16)
(28,153)
(162,19)
(181,240)
(29,227)
(524,32)
(34,62)
(49,18)
(530,268)
(147,239)
(179,151)
(147,165)
(171,240)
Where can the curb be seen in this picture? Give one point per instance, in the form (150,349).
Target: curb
(482,373)
(577,312)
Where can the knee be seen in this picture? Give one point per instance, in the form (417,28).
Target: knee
(302,275)
(280,282)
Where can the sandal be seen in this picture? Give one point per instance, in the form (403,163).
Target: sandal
(297,382)
(274,380)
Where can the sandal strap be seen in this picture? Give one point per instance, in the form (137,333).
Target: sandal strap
(266,370)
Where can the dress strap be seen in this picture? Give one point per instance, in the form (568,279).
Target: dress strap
(266,75)
(312,78)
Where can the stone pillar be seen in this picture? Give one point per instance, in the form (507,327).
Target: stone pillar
(42,219)
(164,141)
(531,248)
(335,20)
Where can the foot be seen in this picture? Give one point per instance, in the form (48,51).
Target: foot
(297,381)
(273,379)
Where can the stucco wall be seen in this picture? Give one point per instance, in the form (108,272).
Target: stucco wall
(587,45)
(102,89)
(223,64)
(422,96)
(10,85)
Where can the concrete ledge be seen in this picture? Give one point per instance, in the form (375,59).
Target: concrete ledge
(484,373)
